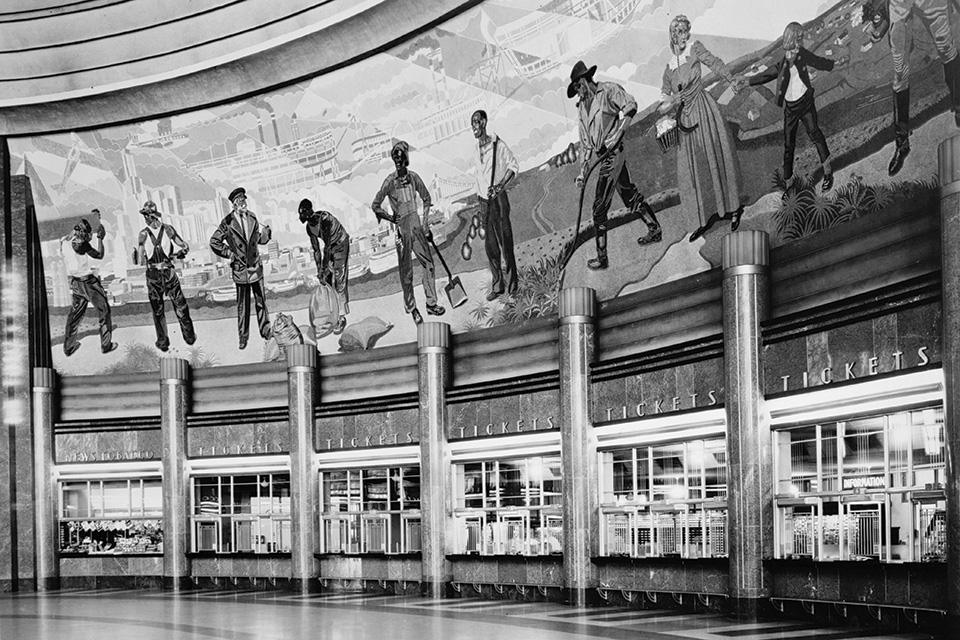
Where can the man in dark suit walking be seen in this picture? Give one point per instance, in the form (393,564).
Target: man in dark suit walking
(236,240)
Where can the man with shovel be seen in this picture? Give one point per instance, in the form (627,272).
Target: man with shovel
(402,187)
(496,166)
(605,110)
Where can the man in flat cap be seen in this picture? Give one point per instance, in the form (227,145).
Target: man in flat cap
(158,245)
(85,287)
(605,111)
(331,261)
(402,187)
(236,240)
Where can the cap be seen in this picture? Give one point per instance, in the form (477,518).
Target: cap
(239,191)
(306,204)
(149,207)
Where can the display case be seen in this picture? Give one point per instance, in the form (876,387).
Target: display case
(111,516)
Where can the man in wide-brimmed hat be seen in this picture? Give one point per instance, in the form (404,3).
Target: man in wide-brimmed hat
(158,245)
(402,187)
(236,239)
(605,110)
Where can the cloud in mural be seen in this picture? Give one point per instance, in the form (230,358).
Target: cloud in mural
(754,19)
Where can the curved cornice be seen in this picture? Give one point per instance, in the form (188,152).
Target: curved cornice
(133,70)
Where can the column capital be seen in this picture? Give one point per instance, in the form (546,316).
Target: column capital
(432,336)
(577,304)
(174,370)
(44,378)
(301,355)
(948,164)
(745,252)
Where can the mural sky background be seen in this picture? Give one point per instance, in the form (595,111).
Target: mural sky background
(327,139)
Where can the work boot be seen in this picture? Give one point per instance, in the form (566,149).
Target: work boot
(600,262)
(901,127)
(654,231)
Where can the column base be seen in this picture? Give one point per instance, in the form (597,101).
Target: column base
(437,590)
(182,583)
(304,585)
(749,609)
(586,597)
(48,584)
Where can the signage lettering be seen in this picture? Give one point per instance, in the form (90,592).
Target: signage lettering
(111,456)
(239,449)
(852,370)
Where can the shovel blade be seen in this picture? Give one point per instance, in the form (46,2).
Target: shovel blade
(455,292)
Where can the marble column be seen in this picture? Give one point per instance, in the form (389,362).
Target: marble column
(304,479)
(21,287)
(433,342)
(45,491)
(949,164)
(746,257)
(174,401)
(581,520)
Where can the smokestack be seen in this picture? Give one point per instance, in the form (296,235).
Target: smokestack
(260,129)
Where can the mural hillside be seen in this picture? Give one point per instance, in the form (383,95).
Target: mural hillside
(680,128)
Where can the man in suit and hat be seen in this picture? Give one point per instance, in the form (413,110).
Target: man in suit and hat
(158,245)
(402,187)
(236,240)
(605,110)
(323,226)
(85,287)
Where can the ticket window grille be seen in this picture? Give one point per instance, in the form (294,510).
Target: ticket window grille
(800,535)
(245,535)
(668,532)
(932,534)
(473,529)
(552,535)
(411,534)
(715,531)
(618,534)
(863,530)
(376,534)
(207,536)
(512,533)
(341,534)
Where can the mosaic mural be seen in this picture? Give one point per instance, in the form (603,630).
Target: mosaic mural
(468,174)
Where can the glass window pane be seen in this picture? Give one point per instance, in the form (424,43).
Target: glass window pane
(245,492)
(152,498)
(76,500)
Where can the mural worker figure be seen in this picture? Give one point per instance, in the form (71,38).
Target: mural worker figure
(605,111)
(496,167)
(896,16)
(795,95)
(159,244)
(236,240)
(401,187)
(85,287)
(322,226)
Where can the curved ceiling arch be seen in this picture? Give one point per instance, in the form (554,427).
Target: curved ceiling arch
(130,60)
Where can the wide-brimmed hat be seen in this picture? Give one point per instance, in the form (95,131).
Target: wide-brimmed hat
(149,208)
(239,191)
(579,70)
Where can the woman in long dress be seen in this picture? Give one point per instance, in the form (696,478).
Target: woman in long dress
(708,173)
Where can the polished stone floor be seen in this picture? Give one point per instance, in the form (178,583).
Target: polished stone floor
(259,615)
